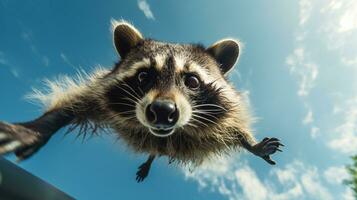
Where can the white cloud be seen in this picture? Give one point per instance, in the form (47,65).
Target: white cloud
(346,143)
(3,61)
(46,61)
(308,118)
(312,185)
(305,70)
(235,179)
(345,135)
(348,20)
(314,131)
(338,29)
(13,69)
(349,61)
(339,24)
(252,187)
(333,32)
(67,61)
(304,181)
(348,195)
(336,174)
(305,11)
(15,73)
(27,37)
(145,7)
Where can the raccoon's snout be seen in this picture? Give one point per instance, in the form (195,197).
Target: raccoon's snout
(162,114)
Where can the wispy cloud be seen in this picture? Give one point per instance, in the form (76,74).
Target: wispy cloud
(312,185)
(336,174)
(251,185)
(348,20)
(345,134)
(305,11)
(15,73)
(303,69)
(314,131)
(348,195)
(237,180)
(145,8)
(339,25)
(334,34)
(67,61)
(28,38)
(3,61)
(12,68)
(302,66)
(339,30)
(308,118)
(349,61)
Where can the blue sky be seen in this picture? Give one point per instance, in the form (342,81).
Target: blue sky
(298,71)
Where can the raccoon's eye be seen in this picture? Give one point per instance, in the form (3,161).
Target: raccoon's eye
(192,82)
(143,76)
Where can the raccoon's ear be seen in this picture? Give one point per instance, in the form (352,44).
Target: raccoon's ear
(125,37)
(226,53)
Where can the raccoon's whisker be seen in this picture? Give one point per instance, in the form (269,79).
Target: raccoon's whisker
(131,100)
(141,91)
(128,118)
(125,104)
(121,117)
(204,112)
(191,124)
(196,120)
(129,93)
(204,118)
(207,114)
(127,85)
(126,91)
(208,105)
(112,117)
(118,115)
(129,111)
(210,110)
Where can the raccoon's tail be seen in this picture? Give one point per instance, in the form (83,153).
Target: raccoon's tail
(25,139)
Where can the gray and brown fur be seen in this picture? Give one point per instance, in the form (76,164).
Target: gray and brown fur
(213,119)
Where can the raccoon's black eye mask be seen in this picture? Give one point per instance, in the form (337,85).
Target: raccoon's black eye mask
(145,78)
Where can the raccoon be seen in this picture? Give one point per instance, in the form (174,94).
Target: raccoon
(162,99)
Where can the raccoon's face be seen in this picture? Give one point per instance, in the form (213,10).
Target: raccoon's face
(166,88)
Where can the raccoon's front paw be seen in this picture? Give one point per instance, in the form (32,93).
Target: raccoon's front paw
(267,147)
(142,172)
(19,139)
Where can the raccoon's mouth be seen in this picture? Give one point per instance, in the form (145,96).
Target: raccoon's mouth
(162,132)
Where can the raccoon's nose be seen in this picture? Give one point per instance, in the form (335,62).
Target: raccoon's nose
(162,113)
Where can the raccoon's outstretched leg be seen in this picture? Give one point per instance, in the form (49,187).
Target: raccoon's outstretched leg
(27,138)
(263,149)
(144,169)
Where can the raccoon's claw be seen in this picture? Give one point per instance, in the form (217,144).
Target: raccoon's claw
(19,139)
(267,147)
(269,160)
(27,151)
(142,172)
(13,137)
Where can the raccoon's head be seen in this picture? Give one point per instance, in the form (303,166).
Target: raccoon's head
(165,88)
